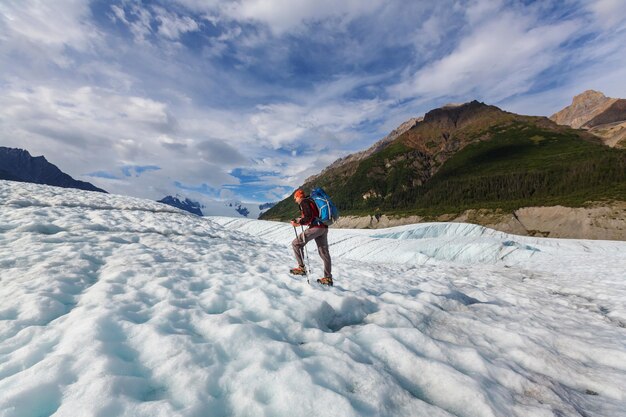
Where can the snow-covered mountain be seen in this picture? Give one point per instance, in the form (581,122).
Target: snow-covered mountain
(206,207)
(186,204)
(116,306)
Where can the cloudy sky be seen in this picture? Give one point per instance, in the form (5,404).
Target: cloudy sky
(244,99)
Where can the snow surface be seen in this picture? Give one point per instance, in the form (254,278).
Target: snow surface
(114,306)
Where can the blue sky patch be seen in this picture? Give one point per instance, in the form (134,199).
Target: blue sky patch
(137,170)
(103,174)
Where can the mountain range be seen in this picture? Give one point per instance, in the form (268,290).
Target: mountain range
(472,156)
(19,165)
(217,208)
(456,158)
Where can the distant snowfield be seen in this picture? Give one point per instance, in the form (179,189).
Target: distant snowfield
(114,306)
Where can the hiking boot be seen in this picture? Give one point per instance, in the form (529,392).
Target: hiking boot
(326,281)
(300,270)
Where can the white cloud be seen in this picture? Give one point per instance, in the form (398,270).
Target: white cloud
(609,12)
(281,16)
(141,20)
(280,123)
(83,116)
(597,65)
(221,153)
(54,24)
(478,10)
(90,129)
(500,58)
(119,13)
(137,19)
(319,123)
(285,15)
(275,194)
(172,26)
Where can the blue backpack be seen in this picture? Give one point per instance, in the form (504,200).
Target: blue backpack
(328,213)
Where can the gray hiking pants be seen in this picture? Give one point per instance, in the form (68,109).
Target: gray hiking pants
(320,234)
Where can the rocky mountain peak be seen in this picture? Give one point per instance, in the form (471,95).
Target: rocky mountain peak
(589,96)
(603,116)
(584,107)
(20,165)
(453,115)
(183,203)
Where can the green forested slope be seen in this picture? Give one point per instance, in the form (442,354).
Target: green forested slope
(511,163)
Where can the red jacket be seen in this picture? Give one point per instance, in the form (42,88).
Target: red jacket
(309,214)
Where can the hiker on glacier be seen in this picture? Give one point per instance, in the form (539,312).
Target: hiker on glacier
(309,216)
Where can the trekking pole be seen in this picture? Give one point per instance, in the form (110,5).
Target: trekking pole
(308,264)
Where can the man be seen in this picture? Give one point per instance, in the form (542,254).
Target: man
(317,230)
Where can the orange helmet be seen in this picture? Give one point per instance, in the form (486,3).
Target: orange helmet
(298,194)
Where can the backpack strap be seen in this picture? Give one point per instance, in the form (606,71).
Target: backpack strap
(314,210)
(309,211)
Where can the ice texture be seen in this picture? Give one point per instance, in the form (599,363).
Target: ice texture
(115,306)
